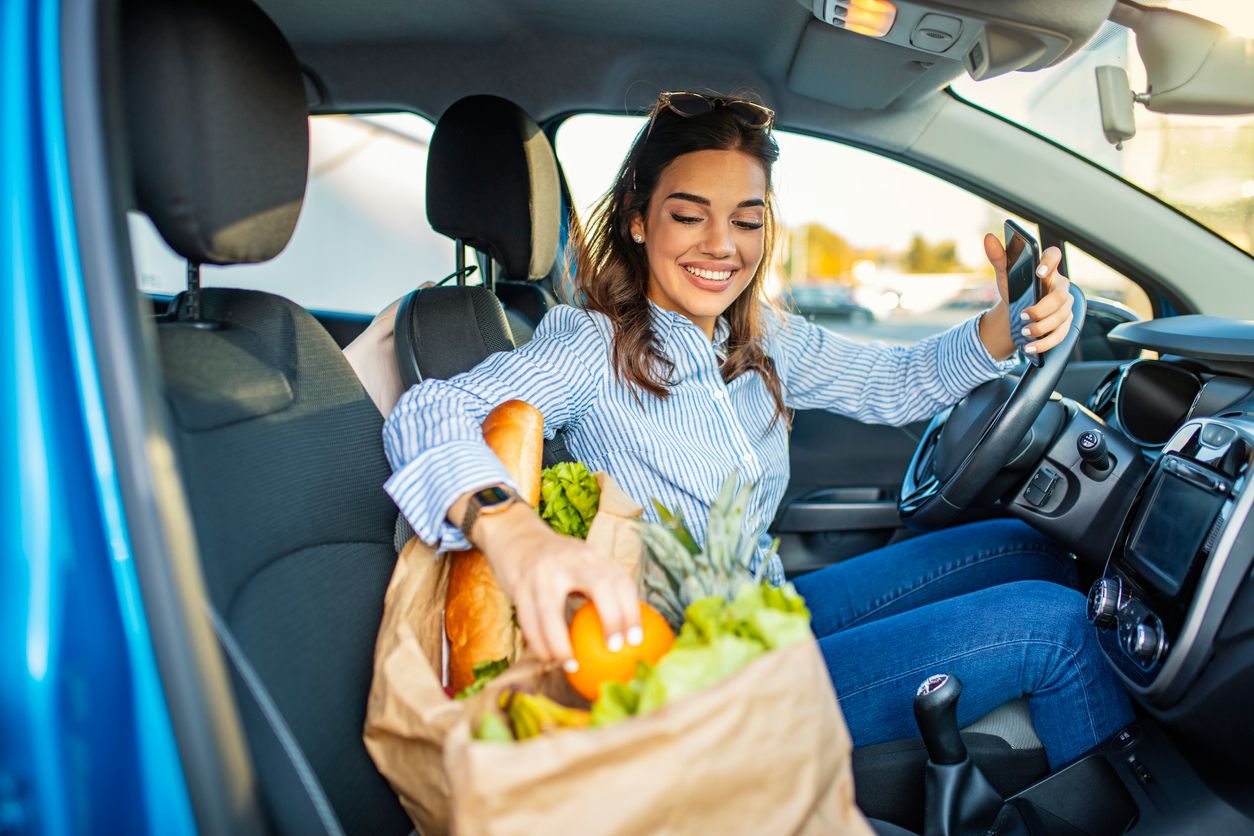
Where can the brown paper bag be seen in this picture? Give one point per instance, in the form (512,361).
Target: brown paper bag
(408,715)
(766,751)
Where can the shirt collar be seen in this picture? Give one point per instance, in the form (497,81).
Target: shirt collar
(722,330)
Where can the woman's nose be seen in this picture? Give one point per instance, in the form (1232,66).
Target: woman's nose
(718,243)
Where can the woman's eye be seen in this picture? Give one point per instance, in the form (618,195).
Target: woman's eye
(685,219)
(750,225)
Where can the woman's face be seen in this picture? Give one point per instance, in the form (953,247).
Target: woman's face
(703,234)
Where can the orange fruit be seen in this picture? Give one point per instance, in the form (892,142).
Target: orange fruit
(597,663)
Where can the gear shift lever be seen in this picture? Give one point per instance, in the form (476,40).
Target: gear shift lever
(960,800)
(936,711)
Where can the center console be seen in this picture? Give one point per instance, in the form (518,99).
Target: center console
(1180,558)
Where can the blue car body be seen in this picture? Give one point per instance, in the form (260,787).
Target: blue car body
(86,743)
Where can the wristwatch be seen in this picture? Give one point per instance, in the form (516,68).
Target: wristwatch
(491,500)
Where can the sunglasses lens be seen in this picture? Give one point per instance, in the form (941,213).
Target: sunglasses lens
(689,104)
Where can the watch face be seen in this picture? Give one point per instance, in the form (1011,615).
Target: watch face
(494,495)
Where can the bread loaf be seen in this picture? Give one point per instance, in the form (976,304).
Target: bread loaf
(478,616)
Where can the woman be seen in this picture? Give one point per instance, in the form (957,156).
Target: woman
(675,374)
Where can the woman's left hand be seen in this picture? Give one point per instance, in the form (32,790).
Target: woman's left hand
(1040,326)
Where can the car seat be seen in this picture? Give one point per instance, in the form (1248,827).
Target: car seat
(279,447)
(492,182)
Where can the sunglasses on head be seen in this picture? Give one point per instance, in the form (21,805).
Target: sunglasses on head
(752,114)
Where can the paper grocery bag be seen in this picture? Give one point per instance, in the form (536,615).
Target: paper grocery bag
(408,714)
(613,529)
(765,751)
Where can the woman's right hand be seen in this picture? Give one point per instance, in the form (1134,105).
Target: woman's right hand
(539,569)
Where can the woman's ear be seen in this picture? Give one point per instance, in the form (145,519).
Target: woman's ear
(636,228)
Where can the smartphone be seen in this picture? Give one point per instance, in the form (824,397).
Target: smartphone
(1023,256)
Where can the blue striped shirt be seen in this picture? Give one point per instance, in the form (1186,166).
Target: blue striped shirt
(679,449)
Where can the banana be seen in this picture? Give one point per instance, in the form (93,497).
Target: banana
(532,714)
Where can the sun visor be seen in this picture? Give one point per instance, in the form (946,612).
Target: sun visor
(857,72)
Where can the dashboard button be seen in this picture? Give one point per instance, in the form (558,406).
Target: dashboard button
(1126,738)
(1040,487)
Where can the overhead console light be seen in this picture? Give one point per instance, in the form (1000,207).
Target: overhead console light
(864,17)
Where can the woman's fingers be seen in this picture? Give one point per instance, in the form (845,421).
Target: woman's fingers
(1046,326)
(616,604)
(551,608)
(1048,320)
(1052,339)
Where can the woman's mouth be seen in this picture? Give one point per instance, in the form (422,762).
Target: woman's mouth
(706,279)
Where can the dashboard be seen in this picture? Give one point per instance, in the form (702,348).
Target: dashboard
(1174,606)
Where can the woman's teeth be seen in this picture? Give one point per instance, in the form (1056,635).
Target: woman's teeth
(710,275)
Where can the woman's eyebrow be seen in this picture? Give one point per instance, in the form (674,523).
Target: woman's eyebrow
(695,198)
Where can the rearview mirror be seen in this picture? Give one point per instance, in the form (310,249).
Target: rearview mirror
(1192,65)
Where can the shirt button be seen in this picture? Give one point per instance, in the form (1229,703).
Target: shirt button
(746,457)
(718,394)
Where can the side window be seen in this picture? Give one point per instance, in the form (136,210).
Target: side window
(868,246)
(362,239)
(876,249)
(1100,281)
(1113,300)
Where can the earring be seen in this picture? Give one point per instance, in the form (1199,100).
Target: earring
(638,238)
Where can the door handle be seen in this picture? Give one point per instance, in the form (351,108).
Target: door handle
(805,516)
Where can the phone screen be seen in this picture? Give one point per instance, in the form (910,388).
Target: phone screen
(1022,258)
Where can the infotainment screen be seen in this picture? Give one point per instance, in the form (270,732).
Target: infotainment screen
(1173,524)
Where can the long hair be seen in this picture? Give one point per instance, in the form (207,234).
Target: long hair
(613,273)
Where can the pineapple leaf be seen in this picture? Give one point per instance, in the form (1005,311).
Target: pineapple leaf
(676,525)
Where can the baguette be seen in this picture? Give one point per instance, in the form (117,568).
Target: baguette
(478,615)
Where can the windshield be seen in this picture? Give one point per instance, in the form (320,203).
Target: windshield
(1201,165)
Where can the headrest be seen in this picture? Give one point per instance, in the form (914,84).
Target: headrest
(492,182)
(218,127)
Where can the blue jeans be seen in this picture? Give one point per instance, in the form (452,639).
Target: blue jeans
(993,602)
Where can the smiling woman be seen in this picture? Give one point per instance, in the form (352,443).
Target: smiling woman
(677,373)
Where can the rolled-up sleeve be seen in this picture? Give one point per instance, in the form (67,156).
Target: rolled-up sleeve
(876,382)
(434,438)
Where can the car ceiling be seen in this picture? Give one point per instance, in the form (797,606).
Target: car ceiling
(560,56)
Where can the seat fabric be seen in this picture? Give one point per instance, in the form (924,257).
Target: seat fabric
(283,466)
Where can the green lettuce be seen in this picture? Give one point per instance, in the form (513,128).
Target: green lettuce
(569,497)
(484,673)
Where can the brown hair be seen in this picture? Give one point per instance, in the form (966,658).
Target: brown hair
(613,273)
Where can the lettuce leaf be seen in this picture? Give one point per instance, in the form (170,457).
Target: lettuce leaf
(484,673)
(569,497)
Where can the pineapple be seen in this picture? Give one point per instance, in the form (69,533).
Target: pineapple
(678,572)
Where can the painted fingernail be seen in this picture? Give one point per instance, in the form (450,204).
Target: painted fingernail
(635,636)
(570,666)
(1027,332)
(1043,270)
(615,642)
(1029,349)
(1024,316)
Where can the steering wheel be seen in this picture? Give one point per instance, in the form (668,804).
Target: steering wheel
(968,444)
